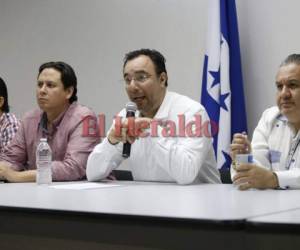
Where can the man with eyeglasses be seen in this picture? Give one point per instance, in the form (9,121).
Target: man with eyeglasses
(157,152)
(276,139)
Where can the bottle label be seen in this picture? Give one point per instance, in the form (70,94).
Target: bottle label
(244,158)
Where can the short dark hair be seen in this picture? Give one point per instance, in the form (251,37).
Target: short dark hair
(3,93)
(292,58)
(156,57)
(68,76)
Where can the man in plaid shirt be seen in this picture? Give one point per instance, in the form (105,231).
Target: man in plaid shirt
(9,124)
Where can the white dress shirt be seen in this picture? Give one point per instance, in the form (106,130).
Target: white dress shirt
(178,159)
(275,146)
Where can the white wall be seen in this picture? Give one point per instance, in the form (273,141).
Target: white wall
(269,31)
(94,35)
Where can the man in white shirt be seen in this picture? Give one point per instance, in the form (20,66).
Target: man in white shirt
(159,154)
(275,144)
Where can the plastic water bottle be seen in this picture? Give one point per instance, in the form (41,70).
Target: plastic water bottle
(43,162)
(244,158)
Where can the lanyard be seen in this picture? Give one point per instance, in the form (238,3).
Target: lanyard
(291,155)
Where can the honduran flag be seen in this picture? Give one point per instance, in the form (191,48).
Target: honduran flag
(222,82)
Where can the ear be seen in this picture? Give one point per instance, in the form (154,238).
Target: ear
(69,91)
(1,102)
(163,79)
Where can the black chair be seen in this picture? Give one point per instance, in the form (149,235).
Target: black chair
(127,176)
(122,175)
(225,176)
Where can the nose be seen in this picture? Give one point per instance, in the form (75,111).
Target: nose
(132,85)
(285,92)
(42,89)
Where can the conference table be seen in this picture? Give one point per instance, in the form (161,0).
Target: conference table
(282,229)
(141,215)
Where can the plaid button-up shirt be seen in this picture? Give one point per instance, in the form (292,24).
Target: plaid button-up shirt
(9,125)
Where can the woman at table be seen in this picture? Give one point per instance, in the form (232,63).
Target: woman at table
(9,124)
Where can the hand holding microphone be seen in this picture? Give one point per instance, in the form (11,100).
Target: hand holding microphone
(129,129)
(130,112)
(119,131)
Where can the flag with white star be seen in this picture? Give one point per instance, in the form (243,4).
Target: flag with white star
(222,82)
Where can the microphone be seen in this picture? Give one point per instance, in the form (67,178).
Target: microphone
(130,112)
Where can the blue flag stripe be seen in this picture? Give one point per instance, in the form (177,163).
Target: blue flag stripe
(212,107)
(222,84)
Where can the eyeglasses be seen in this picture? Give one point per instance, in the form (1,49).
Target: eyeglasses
(138,78)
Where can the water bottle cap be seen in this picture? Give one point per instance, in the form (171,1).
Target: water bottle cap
(43,139)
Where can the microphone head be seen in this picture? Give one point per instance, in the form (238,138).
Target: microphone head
(131,107)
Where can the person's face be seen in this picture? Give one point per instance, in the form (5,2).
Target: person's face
(288,92)
(143,86)
(50,92)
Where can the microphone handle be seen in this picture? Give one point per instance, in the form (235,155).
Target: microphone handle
(126,149)
(127,145)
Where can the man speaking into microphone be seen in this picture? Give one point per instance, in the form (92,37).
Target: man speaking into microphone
(145,142)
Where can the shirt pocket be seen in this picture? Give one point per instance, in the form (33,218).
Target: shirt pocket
(275,159)
(274,156)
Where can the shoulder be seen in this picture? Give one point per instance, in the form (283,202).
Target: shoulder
(183,104)
(11,118)
(10,124)
(270,115)
(268,119)
(77,108)
(78,112)
(32,116)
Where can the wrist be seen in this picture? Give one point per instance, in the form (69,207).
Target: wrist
(112,141)
(17,176)
(233,164)
(13,176)
(275,183)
